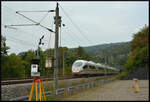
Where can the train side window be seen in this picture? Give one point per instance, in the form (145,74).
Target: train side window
(94,67)
(90,67)
(85,67)
(78,64)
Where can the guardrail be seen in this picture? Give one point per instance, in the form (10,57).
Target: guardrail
(70,90)
(21,98)
(26,98)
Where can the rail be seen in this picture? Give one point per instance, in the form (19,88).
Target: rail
(29,80)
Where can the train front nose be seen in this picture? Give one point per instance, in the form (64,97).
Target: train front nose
(75,69)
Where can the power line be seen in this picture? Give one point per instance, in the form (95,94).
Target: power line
(72,38)
(61,38)
(43,17)
(23,31)
(50,36)
(75,35)
(66,40)
(40,11)
(22,41)
(36,23)
(13,40)
(75,25)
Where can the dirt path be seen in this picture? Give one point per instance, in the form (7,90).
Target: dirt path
(119,90)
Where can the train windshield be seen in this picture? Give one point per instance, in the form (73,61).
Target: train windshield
(77,64)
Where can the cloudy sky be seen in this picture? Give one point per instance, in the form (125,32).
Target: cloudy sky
(86,23)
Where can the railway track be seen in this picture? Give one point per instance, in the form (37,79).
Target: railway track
(10,81)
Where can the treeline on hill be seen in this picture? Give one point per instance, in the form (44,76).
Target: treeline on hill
(20,65)
(114,54)
(139,53)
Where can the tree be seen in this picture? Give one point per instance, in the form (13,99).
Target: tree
(4,48)
(14,67)
(26,58)
(139,55)
(4,56)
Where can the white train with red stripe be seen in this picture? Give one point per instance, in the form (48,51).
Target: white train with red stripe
(82,67)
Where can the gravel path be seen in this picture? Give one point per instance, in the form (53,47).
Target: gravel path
(119,90)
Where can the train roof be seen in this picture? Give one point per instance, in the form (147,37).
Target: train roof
(100,65)
(97,64)
(81,61)
(91,62)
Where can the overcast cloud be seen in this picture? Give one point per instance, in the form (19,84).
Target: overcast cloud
(101,22)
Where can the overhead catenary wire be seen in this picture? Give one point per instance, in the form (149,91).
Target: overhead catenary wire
(50,37)
(76,41)
(38,23)
(66,38)
(39,11)
(71,32)
(72,38)
(22,41)
(75,24)
(43,17)
(35,23)
(21,31)
(16,41)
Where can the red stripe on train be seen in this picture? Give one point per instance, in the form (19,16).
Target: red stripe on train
(77,72)
(82,71)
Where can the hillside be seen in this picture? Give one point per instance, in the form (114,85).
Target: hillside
(113,54)
(99,49)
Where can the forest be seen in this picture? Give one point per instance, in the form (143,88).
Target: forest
(122,55)
(15,66)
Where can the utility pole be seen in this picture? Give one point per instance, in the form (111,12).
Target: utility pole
(105,69)
(63,62)
(57,22)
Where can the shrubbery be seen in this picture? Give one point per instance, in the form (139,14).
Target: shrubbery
(139,55)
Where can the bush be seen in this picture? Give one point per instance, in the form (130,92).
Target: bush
(139,51)
(123,75)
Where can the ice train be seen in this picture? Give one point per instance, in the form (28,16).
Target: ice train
(83,67)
